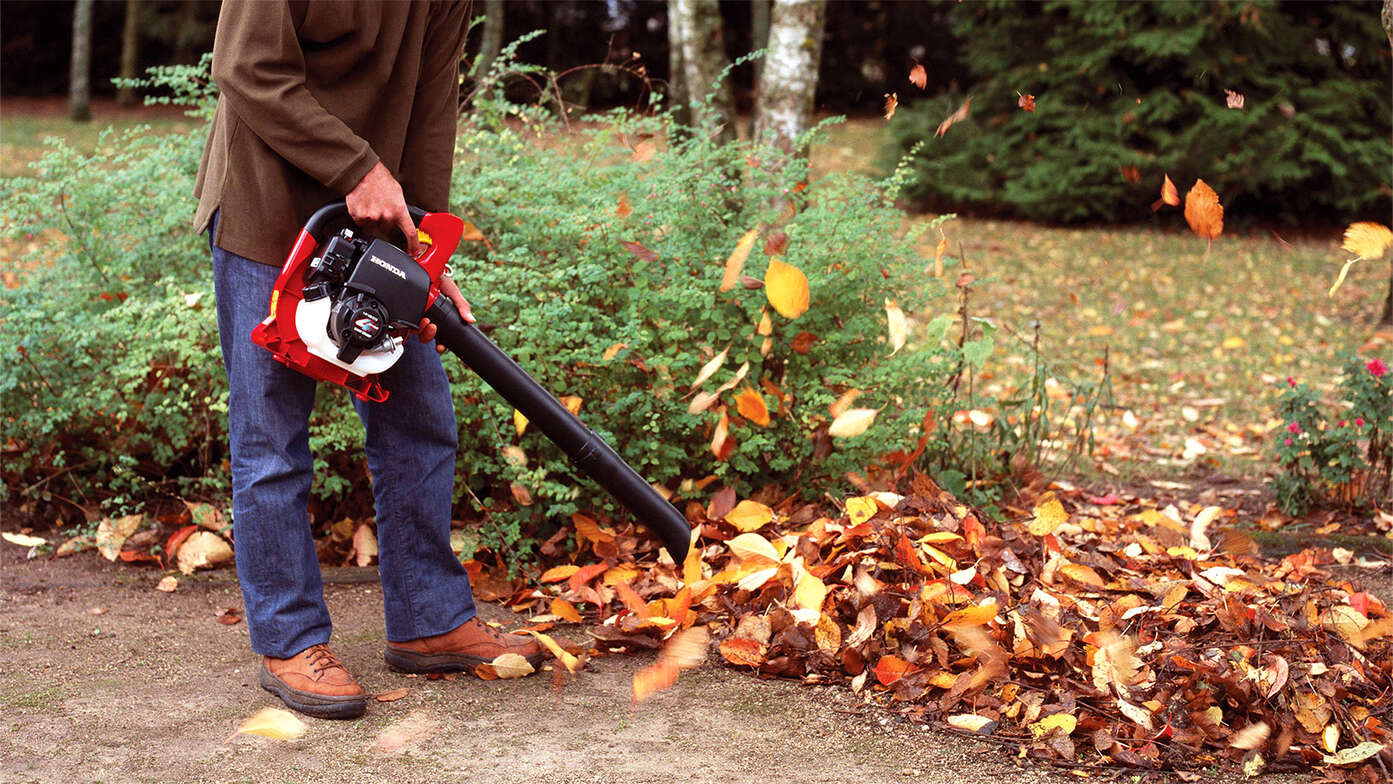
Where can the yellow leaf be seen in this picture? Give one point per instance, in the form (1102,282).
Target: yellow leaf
(898,326)
(1169,194)
(1339,279)
(1049,515)
(720,445)
(691,566)
(787,288)
(710,368)
(751,546)
(861,509)
(971,722)
(567,659)
(736,262)
(976,615)
(1358,753)
(273,723)
(1063,723)
(749,516)
(23,540)
(623,573)
(512,665)
(519,421)
(203,548)
(751,406)
(827,634)
(591,530)
(613,350)
(1082,574)
(572,403)
(810,592)
(938,257)
(1367,240)
(111,534)
(1233,343)
(852,422)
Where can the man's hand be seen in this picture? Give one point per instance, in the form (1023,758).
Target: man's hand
(376,203)
(448,289)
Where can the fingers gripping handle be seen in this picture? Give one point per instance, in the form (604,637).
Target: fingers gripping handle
(588,451)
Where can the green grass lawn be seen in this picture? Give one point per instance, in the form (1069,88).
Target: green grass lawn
(23,128)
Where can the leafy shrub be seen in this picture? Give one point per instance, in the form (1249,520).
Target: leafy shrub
(1142,84)
(627,328)
(1347,462)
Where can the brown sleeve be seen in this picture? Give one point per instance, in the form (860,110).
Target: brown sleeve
(260,68)
(428,155)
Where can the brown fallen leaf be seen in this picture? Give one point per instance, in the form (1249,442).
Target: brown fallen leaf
(393,695)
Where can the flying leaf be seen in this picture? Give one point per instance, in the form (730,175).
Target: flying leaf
(852,422)
(519,421)
(1367,240)
(787,289)
(721,445)
(892,100)
(1130,173)
(918,76)
(364,544)
(638,250)
(1251,736)
(273,723)
(1234,100)
(750,404)
(644,151)
(1204,213)
(736,262)
(1169,195)
(750,516)
(897,324)
(1026,102)
(567,659)
(710,368)
(684,650)
(953,119)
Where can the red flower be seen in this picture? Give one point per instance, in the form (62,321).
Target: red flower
(1293,428)
(1291,382)
(1359,421)
(1377,368)
(1286,442)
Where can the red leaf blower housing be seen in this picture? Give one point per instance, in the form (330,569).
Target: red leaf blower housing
(343,305)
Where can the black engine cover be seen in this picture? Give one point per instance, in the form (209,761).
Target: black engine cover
(394,279)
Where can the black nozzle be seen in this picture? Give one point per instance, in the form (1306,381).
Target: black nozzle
(587,451)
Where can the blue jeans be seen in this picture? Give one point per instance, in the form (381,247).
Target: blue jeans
(410,443)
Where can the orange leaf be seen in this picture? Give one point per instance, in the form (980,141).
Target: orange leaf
(1169,194)
(1082,574)
(749,516)
(953,119)
(591,530)
(584,575)
(742,652)
(891,668)
(1130,173)
(638,250)
(643,151)
(471,233)
(918,76)
(787,288)
(558,573)
(631,599)
(736,262)
(624,209)
(1203,211)
(977,615)
(565,610)
(751,406)
(892,100)
(1026,102)
(683,650)
(721,444)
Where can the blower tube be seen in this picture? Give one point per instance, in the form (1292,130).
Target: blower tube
(588,451)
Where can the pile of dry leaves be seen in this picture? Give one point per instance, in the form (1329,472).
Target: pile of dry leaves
(1123,635)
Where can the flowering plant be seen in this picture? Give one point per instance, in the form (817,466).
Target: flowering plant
(1347,460)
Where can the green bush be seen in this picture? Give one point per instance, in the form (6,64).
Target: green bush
(1142,84)
(112,386)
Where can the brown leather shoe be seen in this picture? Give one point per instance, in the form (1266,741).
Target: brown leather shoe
(314,683)
(463,648)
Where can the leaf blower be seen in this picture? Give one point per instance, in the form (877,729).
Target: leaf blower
(343,305)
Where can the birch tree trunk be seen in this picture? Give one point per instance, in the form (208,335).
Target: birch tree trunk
(759,26)
(1387,18)
(493,37)
(79,85)
(130,51)
(788,79)
(699,30)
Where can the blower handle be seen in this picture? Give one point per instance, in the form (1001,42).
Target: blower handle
(588,451)
(335,214)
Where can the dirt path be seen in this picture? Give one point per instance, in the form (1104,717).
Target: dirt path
(151,689)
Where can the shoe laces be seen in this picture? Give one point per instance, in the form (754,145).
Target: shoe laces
(320,658)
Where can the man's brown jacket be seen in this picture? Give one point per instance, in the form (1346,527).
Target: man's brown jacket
(312,96)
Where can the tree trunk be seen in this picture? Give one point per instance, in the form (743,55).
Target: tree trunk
(677,80)
(79,85)
(703,60)
(759,26)
(1387,17)
(493,37)
(789,78)
(130,52)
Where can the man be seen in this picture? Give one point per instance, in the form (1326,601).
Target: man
(319,102)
